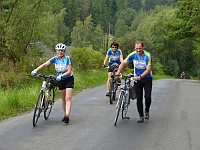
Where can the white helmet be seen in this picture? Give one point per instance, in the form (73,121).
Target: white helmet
(61,46)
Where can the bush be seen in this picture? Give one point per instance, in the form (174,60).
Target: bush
(157,68)
(85,59)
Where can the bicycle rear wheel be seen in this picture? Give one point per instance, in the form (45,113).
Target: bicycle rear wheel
(38,108)
(118,106)
(112,91)
(49,103)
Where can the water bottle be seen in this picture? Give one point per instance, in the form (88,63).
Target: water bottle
(44,84)
(46,95)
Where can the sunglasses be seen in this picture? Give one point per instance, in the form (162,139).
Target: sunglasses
(114,47)
(60,50)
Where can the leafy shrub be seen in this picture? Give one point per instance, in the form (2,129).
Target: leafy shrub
(85,59)
(171,68)
(157,68)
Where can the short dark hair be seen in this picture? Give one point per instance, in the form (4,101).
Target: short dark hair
(115,44)
(139,42)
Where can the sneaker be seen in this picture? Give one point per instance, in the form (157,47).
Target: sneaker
(63,119)
(66,119)
(108,94)
(140,120)
(147,115)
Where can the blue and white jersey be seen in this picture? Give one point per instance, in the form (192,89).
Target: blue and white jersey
(61,65)
(140,64)
(114,58)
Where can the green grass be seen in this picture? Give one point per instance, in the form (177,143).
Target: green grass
(19,100)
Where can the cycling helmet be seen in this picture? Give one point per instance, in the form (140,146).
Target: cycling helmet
(61,46)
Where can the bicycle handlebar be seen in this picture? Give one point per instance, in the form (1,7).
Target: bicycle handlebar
(41,75)
(127,76)
(115,70)
(106,67)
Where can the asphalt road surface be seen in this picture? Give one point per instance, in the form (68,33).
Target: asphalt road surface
(174,123)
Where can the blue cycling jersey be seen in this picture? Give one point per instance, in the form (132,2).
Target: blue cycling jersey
(61,65)
(140,64)
(114,58)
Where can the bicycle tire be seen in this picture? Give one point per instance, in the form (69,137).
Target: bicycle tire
(124,110)
(112,93)
(37,108)
(125,106)
(118,106)
(49,104)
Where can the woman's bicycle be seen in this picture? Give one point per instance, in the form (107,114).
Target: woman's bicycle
(114,82)
(124,98)
(45,99)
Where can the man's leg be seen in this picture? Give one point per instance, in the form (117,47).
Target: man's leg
(139,94)
(148,90)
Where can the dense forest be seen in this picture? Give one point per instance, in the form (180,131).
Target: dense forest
(170,30)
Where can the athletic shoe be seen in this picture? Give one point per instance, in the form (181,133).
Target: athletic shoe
(66,119)
(63,119)
(147,115)
(108,94)
(140,120)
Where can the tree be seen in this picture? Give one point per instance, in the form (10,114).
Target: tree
(187,25)
(151,4)
(120,28)
(17,27)
(25,22)
(73,13)
(135,4)
(82,33)
(97,38)
(86,35)
(128,15)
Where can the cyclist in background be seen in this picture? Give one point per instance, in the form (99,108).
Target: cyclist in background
(183,75)
(63,66)
(113,55)
(142,61)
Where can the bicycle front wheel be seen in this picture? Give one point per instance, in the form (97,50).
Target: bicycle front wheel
(125,110)
(118,106)
(38,108)
(125,107)
(49,103)
(112,92)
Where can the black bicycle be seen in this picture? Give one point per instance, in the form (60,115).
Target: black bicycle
(114,82)
(124,98)
(45,99)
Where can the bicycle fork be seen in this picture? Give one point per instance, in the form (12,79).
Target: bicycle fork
(42,104)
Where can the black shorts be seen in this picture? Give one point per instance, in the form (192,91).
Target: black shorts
(112,68)
(68,83)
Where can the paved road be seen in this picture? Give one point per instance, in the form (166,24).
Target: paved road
(173,125)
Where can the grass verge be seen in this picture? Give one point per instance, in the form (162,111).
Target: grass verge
(15,101)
